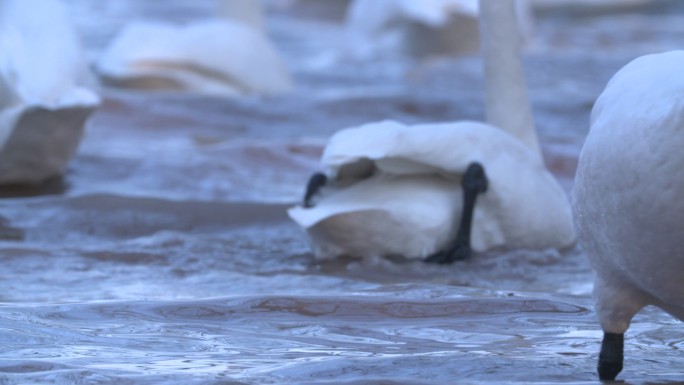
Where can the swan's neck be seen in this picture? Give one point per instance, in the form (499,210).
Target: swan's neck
(245,11)
(507,103)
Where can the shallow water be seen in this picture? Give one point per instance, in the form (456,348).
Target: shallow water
(165,256)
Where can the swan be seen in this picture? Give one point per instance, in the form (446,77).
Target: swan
(45,98)
(419,28)
(627,198)
(230,55)
(392,189)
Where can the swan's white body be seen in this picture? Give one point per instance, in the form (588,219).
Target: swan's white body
(628,193)
(44,94)
(224,57)
(418,28)
(411,204)
(396,190)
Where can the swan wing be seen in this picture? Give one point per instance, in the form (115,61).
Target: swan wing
(524,207)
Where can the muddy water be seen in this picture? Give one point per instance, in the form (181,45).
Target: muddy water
(165,255)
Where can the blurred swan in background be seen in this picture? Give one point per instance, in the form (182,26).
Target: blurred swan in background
(45,98)
(419,28)
(230,55)
(391,189)
(628,198)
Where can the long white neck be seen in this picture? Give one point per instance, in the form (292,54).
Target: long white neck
(245,11)
(507,103)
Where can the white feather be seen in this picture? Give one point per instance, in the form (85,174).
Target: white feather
(397,189)
(412,203)
(628,192)
(215,56)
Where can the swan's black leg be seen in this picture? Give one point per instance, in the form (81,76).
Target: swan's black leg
(316,182)
(611,356)
(474,183)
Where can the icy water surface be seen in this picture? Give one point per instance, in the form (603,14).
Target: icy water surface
(165,256)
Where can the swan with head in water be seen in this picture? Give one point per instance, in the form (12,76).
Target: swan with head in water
(628,198)
(437,190)
(45,93)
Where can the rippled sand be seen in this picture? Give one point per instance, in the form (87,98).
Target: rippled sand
(165,255)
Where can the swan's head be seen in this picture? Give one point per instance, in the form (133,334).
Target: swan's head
(475,178)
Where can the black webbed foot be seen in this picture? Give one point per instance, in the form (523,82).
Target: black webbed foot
(474,182)
(611,356)
(316,182)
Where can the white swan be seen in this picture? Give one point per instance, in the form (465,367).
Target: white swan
(396,189)
(628,197)
(44,97)
(418,28)
(249,12)
(227,56)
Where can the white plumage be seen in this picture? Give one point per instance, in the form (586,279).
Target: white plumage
(44,94)
(221,56)
(396,190)
(628,192)
(411,204)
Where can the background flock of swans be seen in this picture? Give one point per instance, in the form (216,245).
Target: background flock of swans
(391,188)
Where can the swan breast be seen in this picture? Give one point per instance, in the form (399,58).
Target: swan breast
(628,190)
